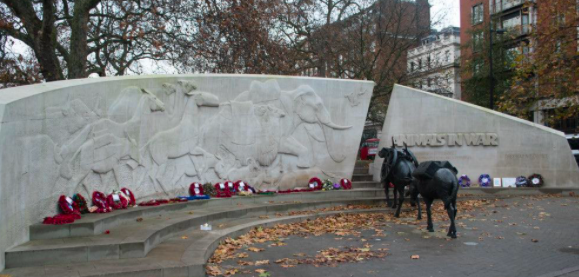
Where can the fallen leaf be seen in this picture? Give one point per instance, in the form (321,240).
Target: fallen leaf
(184,237)
(139,219)
(242,255)
(213,270)
(415,257)
(534,240)
(263,262)
(231,272)
(240,262)
(255,249)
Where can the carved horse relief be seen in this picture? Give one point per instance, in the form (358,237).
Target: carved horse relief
(103,131)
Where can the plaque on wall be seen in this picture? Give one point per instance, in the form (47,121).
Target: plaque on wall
(509,182)
(497,182)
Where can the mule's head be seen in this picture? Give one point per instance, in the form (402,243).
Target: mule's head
(383,152)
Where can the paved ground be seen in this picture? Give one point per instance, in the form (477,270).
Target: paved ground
(523,236)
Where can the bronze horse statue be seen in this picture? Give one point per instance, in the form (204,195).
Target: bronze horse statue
(397,169)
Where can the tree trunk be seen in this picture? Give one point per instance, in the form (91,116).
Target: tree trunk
(41,35)
(78,39)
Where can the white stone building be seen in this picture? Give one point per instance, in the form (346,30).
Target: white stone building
(434,66)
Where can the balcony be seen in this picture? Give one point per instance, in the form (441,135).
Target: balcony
(499,6)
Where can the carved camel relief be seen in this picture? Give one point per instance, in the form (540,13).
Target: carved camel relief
(182,139)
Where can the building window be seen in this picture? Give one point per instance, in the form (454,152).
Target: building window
(411,66)
(429,82)
(477,66)
(447,56)
(477,14)
(477,41)
(419,63)
(428,61)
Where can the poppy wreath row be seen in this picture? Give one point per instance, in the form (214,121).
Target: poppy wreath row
(224,190)
(316,184)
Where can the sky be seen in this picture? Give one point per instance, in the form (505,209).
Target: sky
(447,12)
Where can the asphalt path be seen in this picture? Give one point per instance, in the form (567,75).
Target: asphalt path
(523,236)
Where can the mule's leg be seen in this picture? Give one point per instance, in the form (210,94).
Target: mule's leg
(452,228)
(428,202)
(400,190)
(417,201)
(448,205)
(386,191)
(454,211)
(395,193)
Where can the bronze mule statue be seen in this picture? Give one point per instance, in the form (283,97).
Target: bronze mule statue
(436,180)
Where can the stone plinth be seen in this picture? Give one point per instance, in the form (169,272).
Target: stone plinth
(157,134)
(476,140)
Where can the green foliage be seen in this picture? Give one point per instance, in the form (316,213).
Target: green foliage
(477,85)
(548,77)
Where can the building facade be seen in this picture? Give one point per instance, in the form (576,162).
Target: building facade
(434,66)
(518,19)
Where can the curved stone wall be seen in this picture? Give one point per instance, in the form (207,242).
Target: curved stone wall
(476,140)
(157,134)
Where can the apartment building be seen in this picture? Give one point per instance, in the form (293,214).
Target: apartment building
(434,66)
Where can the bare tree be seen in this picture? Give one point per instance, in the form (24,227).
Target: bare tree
(72,39)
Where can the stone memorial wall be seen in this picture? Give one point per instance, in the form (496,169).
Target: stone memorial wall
(475,140)
(157,134)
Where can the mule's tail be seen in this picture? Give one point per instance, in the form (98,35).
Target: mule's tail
(449,181)
(454,191)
